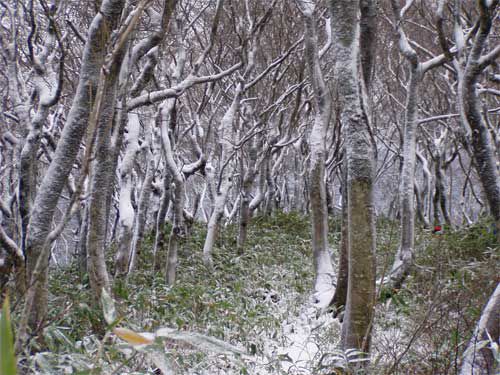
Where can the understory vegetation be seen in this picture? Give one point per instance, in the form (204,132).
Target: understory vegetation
(259,303)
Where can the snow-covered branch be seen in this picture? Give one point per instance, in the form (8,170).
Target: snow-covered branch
(179,89)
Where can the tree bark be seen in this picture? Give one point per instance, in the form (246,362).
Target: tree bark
(317,192)
(244,218)
(478,357)
(481,142)
(178,230)
(127,212)
(101,178)
(142,207)
(62,162)
(360,158)
(405,253)
(160,246)
(226,136)
(340,297)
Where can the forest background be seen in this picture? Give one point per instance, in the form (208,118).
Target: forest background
(136,134)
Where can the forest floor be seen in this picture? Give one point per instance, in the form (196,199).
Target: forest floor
(260,304)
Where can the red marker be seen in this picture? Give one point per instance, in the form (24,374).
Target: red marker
(437,229)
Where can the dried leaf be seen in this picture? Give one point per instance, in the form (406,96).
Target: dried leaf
(200,341)
(132,337)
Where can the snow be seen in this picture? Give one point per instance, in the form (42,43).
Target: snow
(133,128)
(127,212)
(306,7)
(323,288)
(459,37)
(306,333)
(301,338)
(323,295)
(405,47)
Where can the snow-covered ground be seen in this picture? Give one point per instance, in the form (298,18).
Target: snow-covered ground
(305,333)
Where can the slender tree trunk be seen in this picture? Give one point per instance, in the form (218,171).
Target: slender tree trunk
(213,224)
(478,357)
(259,197)
(360,159)
(244,217)
(420,205)
(178,231)
(340,296)
(142,207)
(28,170)
(425,191)
(160,243)
(317,192)
(472,116)
(226,136)
(96,231)
(404,256)
(100,183)
(439,199)
(81,248)
(249,176)
(127,212)
(57,174)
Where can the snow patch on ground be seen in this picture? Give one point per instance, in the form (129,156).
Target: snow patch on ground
(304,336)
(323,296)
(306,333)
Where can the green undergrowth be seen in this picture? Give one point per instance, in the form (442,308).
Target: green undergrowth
(425,327)
(421,329)
(240,301)
(237,296)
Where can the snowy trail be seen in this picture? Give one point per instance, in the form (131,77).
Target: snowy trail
(303,338)
(303,334)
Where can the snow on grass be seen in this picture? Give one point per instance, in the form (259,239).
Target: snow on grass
(304,336)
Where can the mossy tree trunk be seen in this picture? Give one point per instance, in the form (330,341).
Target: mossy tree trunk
(472,115)
(339,299)
(360,172)
(37,250)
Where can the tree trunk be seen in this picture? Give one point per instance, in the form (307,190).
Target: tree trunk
(100,183)
(127,212)
(81,247)
(244,219)
(144,201)
(482,144)
(340,297)
(160,243)
(360,158)
(178,231)
(323,283)
(404,256)
(67,149)
(439,199)
(226,136)
(478,357)
(247,206)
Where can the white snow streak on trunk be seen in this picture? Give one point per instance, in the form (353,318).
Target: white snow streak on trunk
(126,210)
(226,136)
